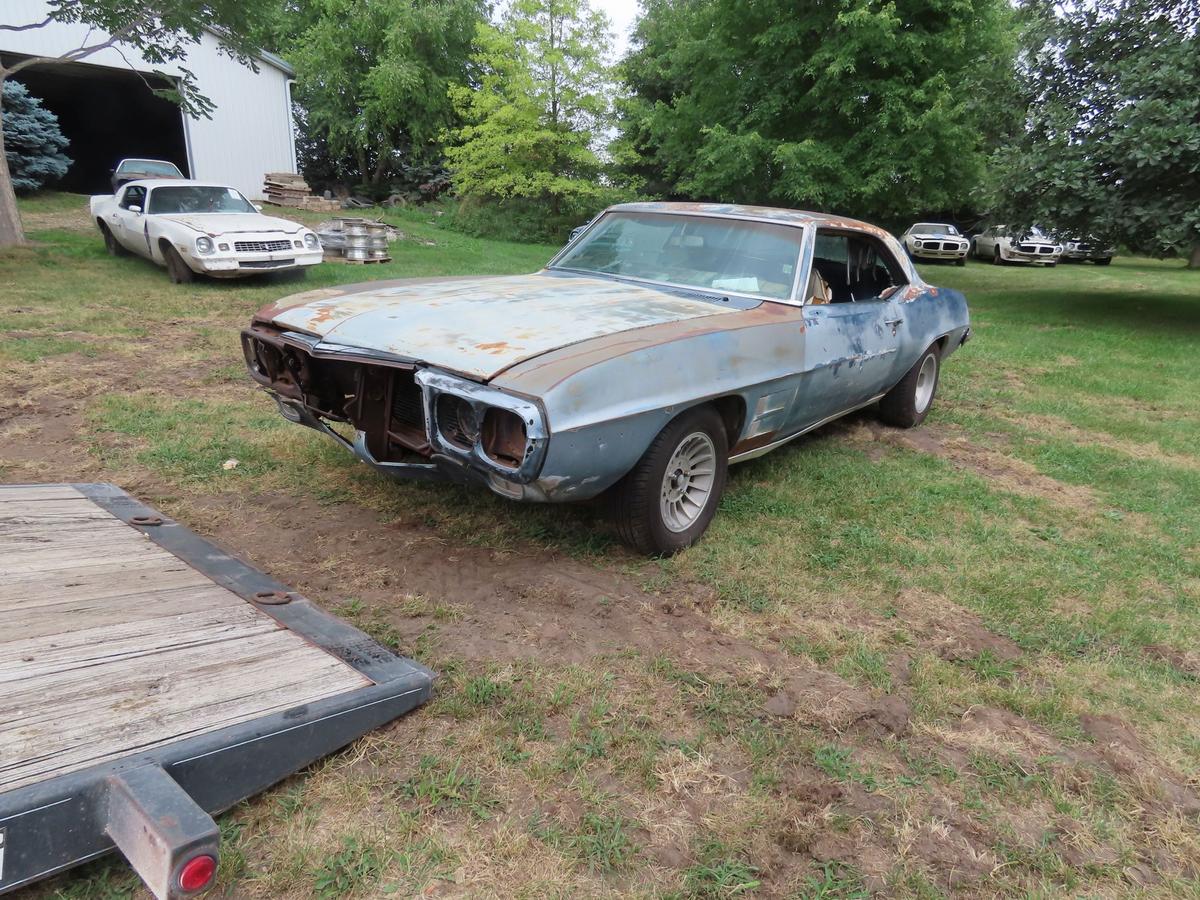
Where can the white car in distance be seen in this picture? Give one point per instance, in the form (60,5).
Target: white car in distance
(195,228)
(999,244)
(935,240)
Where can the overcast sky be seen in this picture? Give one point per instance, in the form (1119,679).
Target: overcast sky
(622,13)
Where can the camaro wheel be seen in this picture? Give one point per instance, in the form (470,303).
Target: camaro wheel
(909,402)
(1103,262)
(111,244)
(668,499)
(961,261)
(176,267)
(997,259)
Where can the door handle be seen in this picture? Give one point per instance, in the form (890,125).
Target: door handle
(895,323)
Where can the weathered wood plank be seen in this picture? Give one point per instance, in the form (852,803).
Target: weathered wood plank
(140,713)
(137,573)
(129,585)
(17,492)
(110,644)
(45,655)
(24,624)
(51,562)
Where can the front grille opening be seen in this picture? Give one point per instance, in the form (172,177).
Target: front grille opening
(407,423)
(261,246)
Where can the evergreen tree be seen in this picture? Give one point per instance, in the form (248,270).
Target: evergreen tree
(33,143)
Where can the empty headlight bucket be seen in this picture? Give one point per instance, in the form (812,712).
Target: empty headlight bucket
(504,438)
(204,245)
(457,421)
(311,242)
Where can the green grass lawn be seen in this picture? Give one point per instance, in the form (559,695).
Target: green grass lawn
(951,661)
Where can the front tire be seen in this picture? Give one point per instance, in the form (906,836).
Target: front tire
(1103,262)
(961,261)
(666,501)
(908,403)
(997,258)
(176,267)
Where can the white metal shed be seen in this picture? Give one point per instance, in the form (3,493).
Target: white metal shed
(250,132)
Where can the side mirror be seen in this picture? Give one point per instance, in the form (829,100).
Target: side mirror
(257,206)
(135,209)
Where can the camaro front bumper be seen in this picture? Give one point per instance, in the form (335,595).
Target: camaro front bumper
(232,265)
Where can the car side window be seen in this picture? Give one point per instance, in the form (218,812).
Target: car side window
(856,267)
(134,195)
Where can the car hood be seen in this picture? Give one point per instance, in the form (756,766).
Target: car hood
(480,327)
(937,236)
(216,224)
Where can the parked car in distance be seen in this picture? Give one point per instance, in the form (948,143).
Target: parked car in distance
(999,244)
(934,240)
(128,170)
(1075,250)
(194,228)
(668,341)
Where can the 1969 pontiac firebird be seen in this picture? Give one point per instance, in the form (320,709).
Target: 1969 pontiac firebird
(666,342)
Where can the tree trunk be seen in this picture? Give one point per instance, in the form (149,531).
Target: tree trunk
(11,232)
(1194,262)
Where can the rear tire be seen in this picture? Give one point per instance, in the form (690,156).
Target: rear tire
(666,501)
(111,244)
(908,403)
(176,267)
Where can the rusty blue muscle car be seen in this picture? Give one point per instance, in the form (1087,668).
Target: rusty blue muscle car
(665,342)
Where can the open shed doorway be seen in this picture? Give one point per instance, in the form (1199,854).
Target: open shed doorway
(108,115)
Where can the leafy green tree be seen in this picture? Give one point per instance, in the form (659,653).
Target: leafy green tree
(160,30)
(374,77)
(873,108)
(537,110)
(1110,147)
(33,140)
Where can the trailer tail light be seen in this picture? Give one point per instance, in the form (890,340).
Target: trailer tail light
(197,873)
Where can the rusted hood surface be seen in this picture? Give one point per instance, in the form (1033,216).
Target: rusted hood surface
(481,327)
(230,223)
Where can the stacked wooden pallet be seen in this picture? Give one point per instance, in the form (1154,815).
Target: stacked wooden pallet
(287,189)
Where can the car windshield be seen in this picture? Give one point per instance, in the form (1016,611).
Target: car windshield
(149,167)
(933,228)
(193,198)
(726,255)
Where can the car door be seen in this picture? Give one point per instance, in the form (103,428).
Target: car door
(127,219)
(851,342)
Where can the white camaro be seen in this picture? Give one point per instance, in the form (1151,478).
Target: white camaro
(935,240)
(196,228)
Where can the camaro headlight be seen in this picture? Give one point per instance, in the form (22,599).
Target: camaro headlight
(311,242)
(204,245)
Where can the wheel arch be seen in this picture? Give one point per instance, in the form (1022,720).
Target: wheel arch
(732,409)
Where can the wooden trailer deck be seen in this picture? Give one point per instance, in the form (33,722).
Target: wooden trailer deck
(112,645)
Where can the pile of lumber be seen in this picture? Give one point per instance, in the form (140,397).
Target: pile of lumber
(286,189)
